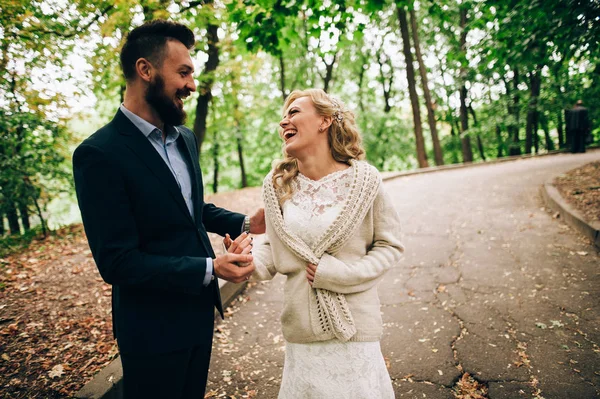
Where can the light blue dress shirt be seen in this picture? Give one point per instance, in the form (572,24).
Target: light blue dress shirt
(169,152)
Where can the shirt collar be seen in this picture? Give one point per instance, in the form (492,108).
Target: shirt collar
(146,127)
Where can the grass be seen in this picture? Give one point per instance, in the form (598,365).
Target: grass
(14,243)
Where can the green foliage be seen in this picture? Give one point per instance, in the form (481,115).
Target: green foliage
(33,166)
(34,41)
(269,47)
(14,243)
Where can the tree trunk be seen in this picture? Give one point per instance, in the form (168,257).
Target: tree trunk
(514,147)
(361,78)
(383,155)
(480,148)
(206,82)
(24,213)
(532,112)
(13,219)
(41,216)
(536,136)
(529,131)
(437,149)
(241,159)
(386,86)
(215,155)
(516,107)
(464,127)
(499,154)
(240,148)
(282,78)
(478,136)
(464,118)
(455,141)
(498,129)
(410,77)
(449,117)
(386,83)
(559,129)
(2,231)
(546,129)
(328,73)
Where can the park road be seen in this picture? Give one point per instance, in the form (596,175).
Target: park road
(491,285)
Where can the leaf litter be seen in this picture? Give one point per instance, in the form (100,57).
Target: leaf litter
(55,312)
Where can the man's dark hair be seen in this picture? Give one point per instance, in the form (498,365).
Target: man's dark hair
(150,41)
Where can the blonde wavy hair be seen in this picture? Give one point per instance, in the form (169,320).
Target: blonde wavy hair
(344,138)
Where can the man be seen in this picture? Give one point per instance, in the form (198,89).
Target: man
(578,127)
(140,192)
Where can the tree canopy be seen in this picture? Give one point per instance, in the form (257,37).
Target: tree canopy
(484,79)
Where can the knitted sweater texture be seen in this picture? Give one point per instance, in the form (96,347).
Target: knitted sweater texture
(354,253)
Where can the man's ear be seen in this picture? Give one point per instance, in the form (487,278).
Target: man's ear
(144,69)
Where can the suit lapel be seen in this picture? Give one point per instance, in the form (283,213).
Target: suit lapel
(188,149)
(140,145)
(187,146)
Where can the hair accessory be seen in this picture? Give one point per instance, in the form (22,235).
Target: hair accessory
(338,114)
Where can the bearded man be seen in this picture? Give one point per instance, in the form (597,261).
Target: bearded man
(140,192)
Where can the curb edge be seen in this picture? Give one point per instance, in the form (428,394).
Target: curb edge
(571,216)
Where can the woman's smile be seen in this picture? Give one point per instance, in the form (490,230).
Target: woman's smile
(289,133)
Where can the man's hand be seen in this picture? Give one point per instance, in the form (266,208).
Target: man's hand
(257,222)
(226,267)
(234,266)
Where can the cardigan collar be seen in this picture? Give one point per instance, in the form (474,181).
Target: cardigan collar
(364,188)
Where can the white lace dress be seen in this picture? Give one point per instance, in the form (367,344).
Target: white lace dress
(330,369)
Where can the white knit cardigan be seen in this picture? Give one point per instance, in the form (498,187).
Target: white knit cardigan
(351,257)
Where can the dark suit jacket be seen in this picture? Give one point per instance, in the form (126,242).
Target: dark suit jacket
(577,118)
(144,240)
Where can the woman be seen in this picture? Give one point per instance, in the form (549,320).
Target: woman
(333,231)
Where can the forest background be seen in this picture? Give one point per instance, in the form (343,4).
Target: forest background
(432,82)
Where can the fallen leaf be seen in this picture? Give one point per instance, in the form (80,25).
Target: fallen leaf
(57,371)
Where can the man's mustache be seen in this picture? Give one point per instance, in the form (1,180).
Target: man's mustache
(182,93)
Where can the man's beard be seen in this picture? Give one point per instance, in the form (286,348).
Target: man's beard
(168,111)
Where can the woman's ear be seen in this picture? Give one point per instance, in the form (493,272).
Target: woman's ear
(144,69)
(327,120)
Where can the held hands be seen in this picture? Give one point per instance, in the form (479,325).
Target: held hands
(311,270)
(236,265)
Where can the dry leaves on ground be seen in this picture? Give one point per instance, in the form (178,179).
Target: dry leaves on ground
(55,324)
(469,388)
(581,188)
(55,312)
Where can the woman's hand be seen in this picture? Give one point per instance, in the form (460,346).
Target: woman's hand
(241,245)
(311,270)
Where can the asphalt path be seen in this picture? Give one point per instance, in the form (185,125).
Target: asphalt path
(492,285)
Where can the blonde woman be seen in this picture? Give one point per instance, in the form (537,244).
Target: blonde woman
(333,231)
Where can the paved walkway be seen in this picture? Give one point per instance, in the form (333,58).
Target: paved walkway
(491,285)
